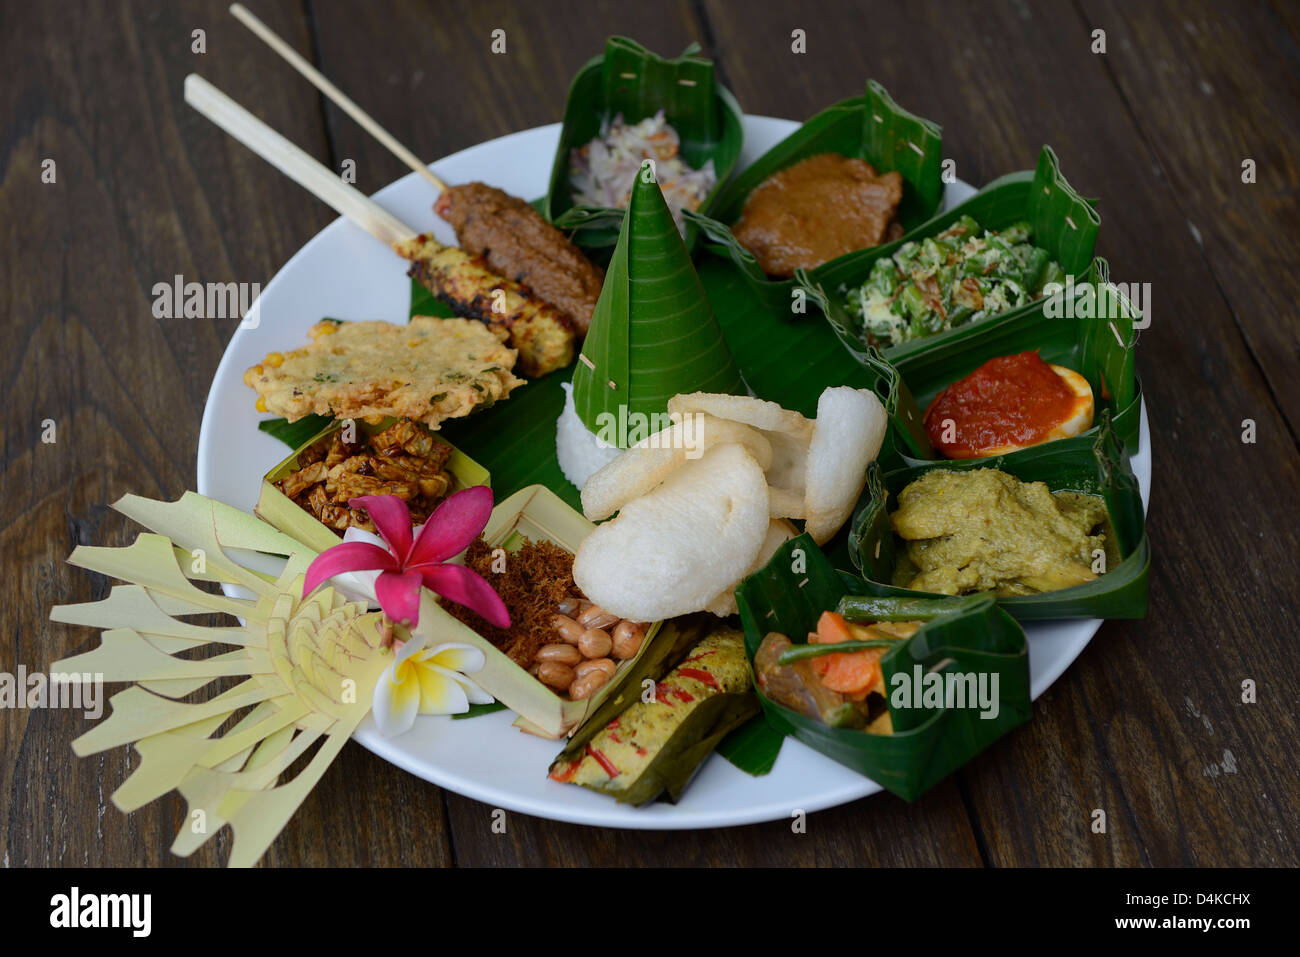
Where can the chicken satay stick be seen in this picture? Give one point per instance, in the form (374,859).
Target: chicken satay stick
(341,99)
(543,337)
(513,238)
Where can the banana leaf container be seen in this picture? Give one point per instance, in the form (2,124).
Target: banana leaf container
(278,509)
(537,514)
(1062,222)
(1097,340)
(871,127)
(970,636)
(629,79)
(1091,464)
(695,739)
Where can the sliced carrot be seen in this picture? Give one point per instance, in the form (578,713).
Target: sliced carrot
(852,674)
(832,628)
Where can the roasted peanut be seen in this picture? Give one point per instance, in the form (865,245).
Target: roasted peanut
(605,665)
(564,654)
(627,639)
(570,607)
(570,631)
(593,616)
(587,684)
(595,643)
(555,675)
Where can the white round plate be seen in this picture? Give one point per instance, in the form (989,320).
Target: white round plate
(345,273)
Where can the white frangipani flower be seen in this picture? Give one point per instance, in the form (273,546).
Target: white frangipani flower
(424,680)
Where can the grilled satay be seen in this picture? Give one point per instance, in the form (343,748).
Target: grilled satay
(518,243)
(543,336)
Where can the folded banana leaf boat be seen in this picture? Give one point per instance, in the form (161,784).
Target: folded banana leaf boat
(960,636)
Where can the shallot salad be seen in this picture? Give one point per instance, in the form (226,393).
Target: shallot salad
(602,172)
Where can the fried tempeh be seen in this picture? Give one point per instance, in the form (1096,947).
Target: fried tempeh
(402,460)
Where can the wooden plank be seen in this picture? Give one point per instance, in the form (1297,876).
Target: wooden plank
(1224,76)
(1148,725)
(429,76)
(146,189)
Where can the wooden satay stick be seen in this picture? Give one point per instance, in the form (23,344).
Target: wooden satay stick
(344,102)
(308,173)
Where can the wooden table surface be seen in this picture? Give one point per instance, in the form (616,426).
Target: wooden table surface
(1149,724)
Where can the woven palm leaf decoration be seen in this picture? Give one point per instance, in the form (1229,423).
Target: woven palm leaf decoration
(305,670)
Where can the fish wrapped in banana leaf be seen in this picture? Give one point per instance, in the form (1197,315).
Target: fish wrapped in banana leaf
(656,745)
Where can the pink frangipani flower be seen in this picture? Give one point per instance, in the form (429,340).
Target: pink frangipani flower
(410,562)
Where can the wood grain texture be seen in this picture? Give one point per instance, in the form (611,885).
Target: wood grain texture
(438,87)
(1148,725)
(1232,68)
(145,189)
(864,833)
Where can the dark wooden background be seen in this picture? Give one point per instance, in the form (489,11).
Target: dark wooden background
(1148,724)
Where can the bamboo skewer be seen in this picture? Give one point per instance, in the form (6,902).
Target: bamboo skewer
(307,172)
(341,99)
(542,336)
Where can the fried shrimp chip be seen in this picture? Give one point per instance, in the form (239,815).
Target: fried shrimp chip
(651,461)
(849,431)
(674,550)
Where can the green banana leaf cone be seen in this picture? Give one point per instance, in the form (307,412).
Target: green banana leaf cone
(654,333)
(967,643)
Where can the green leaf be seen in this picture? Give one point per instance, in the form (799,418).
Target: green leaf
(424,303)
(960,635)
(295,434)
(873,128)
(653,333)
(477,709)
(629,79)
(1094,464)
(753,747)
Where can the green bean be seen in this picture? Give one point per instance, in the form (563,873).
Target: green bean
(800,652)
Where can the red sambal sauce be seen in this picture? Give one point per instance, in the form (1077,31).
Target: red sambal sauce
(1010,400)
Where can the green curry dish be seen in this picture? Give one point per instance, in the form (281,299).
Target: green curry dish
(962,275)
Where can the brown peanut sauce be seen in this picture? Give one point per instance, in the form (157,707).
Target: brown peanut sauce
(819,208)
